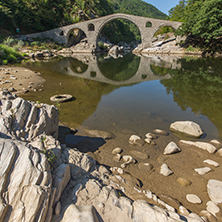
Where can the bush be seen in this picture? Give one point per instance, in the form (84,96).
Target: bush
(8,54)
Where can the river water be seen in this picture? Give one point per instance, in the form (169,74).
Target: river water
(135,93)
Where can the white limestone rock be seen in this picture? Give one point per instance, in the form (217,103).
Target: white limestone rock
(28,192)
(165,170)
(127,160)
(216,143)
(183,211)
(75,213)
(61,177)
(117,150)
(220,152)
(212,208)
(211,162)
(192,198)
(214,190)
(80,163)
(203,170)
(136,140)
(187,127)
(171,148)
(22,119)
(201,145)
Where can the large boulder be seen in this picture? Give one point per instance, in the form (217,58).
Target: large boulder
(187,127)
(26,120)
(25,183)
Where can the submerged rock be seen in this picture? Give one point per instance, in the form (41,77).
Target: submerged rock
(99,133)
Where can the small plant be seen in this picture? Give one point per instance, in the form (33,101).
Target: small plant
(38,105)
(5,62)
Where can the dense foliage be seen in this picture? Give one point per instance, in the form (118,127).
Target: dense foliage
(40,15)
(202,21)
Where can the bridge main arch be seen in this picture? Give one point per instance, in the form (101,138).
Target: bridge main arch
(113,18)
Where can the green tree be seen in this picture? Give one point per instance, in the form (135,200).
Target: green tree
(177,13)
(202,19)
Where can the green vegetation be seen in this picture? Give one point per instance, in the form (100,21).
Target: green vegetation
(202,21)
(8,54)
(9,49)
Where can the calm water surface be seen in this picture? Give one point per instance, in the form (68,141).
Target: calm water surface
(135,93)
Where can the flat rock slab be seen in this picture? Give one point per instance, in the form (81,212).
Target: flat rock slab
(187,127)
(203,170)
(214,189)
(201,145)
(140,155)
(211,162)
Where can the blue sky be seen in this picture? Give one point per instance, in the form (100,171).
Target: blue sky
(163,5)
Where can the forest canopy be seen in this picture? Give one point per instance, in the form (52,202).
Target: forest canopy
(202,20)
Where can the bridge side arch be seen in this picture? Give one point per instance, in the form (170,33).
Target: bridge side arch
(175,26)
(71,29)
(115,17)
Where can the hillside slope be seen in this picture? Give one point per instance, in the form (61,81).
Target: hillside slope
(40,15)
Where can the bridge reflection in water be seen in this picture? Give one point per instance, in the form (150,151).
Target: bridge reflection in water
(123,70)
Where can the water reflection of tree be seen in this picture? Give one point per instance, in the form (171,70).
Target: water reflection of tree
(198,88)
(120,69)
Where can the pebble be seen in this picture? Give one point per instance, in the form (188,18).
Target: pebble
(208,215)
(161,132)
(150,142)
(220,152)
(117,150)
(184,182)
(203,170)
(117,157)
(151,136)
(211,162)
(183,211)
(212,208)
(136,140)
(117,170)
(171,148)
(216,143)
(192,198)
(58,208)
(165,170)
(127,160)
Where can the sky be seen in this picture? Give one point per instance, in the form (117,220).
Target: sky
(163,5)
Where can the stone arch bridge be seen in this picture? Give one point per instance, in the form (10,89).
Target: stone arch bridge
(92,29)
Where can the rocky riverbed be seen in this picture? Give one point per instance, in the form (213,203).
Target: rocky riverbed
(43,178)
